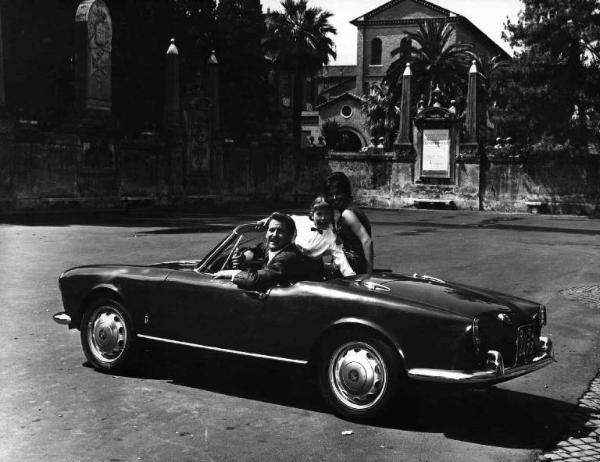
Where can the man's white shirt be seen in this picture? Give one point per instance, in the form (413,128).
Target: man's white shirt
(315,245)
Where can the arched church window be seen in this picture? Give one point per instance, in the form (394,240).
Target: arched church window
(376,52)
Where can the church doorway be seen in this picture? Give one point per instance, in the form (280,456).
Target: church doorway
(349,141)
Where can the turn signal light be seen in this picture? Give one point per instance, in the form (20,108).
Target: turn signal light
(542,316)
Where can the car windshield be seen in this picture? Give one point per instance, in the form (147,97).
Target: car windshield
(246,237)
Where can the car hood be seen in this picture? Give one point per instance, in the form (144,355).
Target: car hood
(177,265)
(455,298)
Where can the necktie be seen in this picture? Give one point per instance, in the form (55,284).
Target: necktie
(320,231)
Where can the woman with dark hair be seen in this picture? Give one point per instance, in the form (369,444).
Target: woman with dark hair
(353,226)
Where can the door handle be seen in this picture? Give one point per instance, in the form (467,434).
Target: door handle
(255,294)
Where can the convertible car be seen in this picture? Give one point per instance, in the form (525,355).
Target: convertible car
(365,337)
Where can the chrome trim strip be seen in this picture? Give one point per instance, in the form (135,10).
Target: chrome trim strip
(224,350)
(448,376)
(62,318)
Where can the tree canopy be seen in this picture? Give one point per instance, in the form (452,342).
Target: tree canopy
(242,66)
(299,39)
(40,50)
(38,46)
(550,91)
(434,60)
(38,39)
(381,113)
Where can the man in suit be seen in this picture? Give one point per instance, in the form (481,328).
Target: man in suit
(283,262)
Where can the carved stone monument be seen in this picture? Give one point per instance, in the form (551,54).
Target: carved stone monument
(93,62)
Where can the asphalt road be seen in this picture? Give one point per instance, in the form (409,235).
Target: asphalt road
(209,407)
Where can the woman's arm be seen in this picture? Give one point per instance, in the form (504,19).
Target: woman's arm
(357,228)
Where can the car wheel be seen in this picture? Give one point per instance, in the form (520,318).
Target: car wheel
(359,376)
(107,335)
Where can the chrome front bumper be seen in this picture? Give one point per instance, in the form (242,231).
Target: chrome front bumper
(496,371)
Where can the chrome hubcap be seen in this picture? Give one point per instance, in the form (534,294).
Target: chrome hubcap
(107,333)
(357,375)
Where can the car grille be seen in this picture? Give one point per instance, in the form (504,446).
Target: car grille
(526,344)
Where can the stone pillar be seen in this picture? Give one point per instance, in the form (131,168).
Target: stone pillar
(360,58)
(93,62)
(213,89)
(471,121)
(172,108)
(404,129)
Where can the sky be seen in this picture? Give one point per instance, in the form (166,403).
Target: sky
(488,15)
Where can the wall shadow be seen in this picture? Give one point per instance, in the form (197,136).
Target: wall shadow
(177,221)
(491,224)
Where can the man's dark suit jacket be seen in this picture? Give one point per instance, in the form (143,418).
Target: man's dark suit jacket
(286,266)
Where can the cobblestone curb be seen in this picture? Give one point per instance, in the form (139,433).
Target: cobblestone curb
(588,295)
(582,443)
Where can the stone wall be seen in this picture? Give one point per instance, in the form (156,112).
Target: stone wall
(386,180)
(553,183)
(40,170)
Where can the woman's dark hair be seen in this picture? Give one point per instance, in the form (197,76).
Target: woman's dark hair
(283,218)
(340,181)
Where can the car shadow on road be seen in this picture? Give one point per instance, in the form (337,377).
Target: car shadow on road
(249,378)
(493,417)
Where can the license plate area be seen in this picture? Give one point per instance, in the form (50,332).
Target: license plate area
(526,344)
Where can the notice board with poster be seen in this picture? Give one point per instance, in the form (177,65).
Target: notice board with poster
(436,145)
(436,153)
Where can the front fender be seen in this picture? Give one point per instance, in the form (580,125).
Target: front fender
(76,295)
(359,322)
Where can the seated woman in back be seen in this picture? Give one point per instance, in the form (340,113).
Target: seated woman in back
(353,226)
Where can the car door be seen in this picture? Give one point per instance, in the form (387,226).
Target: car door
(289,322)
(209,312)
(206,311)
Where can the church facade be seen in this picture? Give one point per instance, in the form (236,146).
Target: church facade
(341,88)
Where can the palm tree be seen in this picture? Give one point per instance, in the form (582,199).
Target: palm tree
(381,113)
(299,40)
(490,68)
(434,60)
